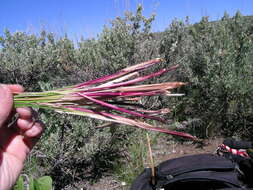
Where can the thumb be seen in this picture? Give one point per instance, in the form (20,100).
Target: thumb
(5,103)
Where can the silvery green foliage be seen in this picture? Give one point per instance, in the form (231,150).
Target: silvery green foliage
(121,43)
(216,60)
(27,59)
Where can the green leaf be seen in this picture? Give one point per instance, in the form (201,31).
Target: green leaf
(31,184)
(43,183)
(20,184)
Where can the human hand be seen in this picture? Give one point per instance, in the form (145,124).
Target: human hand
(16,141)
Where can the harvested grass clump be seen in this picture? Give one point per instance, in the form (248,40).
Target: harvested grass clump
(112,98)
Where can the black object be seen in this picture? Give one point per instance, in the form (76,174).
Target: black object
(201,172)
(232,143)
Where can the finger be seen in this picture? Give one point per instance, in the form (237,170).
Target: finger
(15,88)
(35,130)
(33,135)
(24,124)
(25,113)
(6,103)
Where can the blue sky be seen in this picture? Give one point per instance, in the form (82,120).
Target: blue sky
(87,17)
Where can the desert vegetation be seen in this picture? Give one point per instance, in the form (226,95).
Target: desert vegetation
(216,62)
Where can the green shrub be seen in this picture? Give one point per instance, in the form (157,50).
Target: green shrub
(121,43)
(216,61)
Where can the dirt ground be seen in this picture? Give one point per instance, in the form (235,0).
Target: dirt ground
(161,152)
(176,150)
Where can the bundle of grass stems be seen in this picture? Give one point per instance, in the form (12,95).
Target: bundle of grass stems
(112,98)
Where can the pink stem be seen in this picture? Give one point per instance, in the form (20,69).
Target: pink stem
(137,67)
(142,125)
(120,108)
(139,79)
(125,94)
(150,127)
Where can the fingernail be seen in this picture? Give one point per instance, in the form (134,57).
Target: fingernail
(36,130)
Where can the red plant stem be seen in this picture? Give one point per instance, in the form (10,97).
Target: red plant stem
(101,79)
(124,94)
(149,127)
(80,109)
(123,120)
(137,67)
(120,108)
(130,82)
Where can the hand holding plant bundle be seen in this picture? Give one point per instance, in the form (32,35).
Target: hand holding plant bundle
(110,98)
(18,140)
